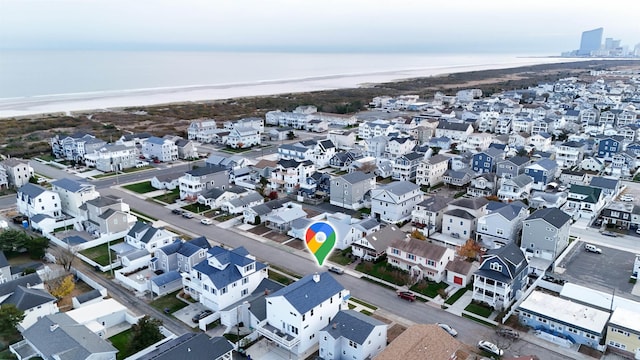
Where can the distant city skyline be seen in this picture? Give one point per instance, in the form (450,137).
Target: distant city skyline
(499,26)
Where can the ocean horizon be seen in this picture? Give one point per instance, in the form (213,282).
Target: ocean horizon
(34,82)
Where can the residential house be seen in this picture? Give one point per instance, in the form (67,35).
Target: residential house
(202,130)
(254,214)
(394,202)
(609,186)
(564,319)
(74,147)
(477,142)
(280,133)
(335,119)
(229,162)
(352,335)
(542,172)
(512,167)
(607,146)
(458,178)
(547,199)
(58,336)
(570,153)
(623,333)
(589,116)
(165,181)
(459,224)
(350,190)
(180,255)
(515,188)
(570,177)
(455,131)
(73,194)
(342,139)
(483,185)
(240,204)
(503,125)
(405,167)
(430,171)
(191,346)
(296,313)
(27,294)
(373,246)
(106,215)
(521,140)
(584,201)
(522,123)
(187,150)
(428,213)
(163,150)
(145,236)
(199,180)
(485,161)
(592,164)
(18,172)
(112,157)
(242,137)
(460,272)
(502,277)
(224,277)
(319,152)
(252,122)
(317,125)
(4,178)
(422,259)
(502,225)
(422,339)
(540,141)
(291,175)
(348,230)
(367,130)
(545,235)
(343,160)
(281,219)
(399,146)
(296,119)
(133,140)
(619,214)
(34,199)
(215,198)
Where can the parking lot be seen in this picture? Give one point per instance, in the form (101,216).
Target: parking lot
(605,272)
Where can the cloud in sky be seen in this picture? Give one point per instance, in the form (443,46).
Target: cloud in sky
(455,26)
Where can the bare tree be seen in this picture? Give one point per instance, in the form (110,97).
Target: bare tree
(65,255)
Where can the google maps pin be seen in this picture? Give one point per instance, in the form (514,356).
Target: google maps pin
(321,239)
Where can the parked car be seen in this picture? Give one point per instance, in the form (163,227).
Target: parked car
(592,248)
(448,329)
(187,215)
(507,332)
(206,221)
(156,161)
(336,270)
(177,211)
(407,296)
(490,347)
(609,233)
(626,197)
(201,315)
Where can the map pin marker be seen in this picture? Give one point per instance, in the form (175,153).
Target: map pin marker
(321,239)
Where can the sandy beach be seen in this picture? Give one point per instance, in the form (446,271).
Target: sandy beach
(67,103)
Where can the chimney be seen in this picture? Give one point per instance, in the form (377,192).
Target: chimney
(335,326)
(316,277)
(266,291)
(53,327)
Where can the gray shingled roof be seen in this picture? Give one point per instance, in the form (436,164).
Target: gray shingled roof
(401,187)
(357,176)
(352,325)
(553,216)
(604,183)
(25,298)
(69,184)
(31,190)
(9,287)
(459,213)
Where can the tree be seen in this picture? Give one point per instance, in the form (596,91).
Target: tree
(470,249)
(522,152)
(33,180)
(146,332)
(291,135)
(12,239)
(62,287)
(65,255)
(417,234)
(37,246)
(10,317)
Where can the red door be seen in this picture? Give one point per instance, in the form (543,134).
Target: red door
(457,280)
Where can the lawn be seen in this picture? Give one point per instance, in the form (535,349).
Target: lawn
(169,301)
(366,312)
(277,277)
(100,254)
(341,256)
(235,151)
(365,211)
(170,197)
(358,301)
(141,187)
(458,294)
(195,208)
(428,288)
(486,323)
(226,217)
(478,309)
(291,273)
(121,342)
(143,215)
(384,271)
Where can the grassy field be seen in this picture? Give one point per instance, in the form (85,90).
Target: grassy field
(100,254)
(195,208)
(170,197)
(121,342)
(385,272)
(479,310)
(168,301)
(428,288)
(141,187)
(341,256)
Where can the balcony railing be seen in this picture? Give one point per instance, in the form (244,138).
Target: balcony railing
(286,340)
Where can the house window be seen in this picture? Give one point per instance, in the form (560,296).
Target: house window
(495,266)
(499,231)
(431,262)
(223,290)
(395,251)
(411,257)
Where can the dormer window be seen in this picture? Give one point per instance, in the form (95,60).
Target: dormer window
(495,266)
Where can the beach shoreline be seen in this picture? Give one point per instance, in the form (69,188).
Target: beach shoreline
(112,100)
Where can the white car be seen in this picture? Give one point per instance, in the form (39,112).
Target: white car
(490,347)
(206,221)
(626,197)
(448,329)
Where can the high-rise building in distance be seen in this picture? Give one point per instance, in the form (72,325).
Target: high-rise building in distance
(591,41)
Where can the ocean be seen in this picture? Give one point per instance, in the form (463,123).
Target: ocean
(51,81)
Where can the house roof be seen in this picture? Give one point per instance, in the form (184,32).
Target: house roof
(381,239)
(68,339)
(70,185)
(626,318)
(511,256)
(471,203)
(352,325)
(421,248)
(553,216)
(545,164)
(459,213)
(357,176)
(166,278)
(103,201)
(435,203)
(517,160)
(31,190)
(592,193)
(400,188)
(459,266)
(190,346)
(258,305)
(9,287)
(306,293)
(156,140)
(186,248)
(27,298)
(245,200)
(229,274)
(3,260)
(424,341)
(206,170)
(88,296)
(522,180)
(453,126)
(604,183)
(509,211)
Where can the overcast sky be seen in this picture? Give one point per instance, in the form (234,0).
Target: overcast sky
(508,26)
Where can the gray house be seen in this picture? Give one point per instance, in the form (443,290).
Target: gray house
(349,191)
(609,186)
(512,167)
(545,234)
(180,255)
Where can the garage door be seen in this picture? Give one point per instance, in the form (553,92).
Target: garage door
(457,280)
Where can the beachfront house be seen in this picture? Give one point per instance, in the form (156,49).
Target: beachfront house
(18,172)
(202,130)
(113,157)
(164,150)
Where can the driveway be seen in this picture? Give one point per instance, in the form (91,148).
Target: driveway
(187,313)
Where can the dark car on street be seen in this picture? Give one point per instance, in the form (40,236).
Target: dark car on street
(507,333)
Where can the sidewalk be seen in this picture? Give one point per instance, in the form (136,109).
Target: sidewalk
(458,307)
(571,353)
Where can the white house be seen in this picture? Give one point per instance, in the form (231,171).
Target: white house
(394,202)
(162,149)
(242,137)
(73,194)
(431,171)
(18,172)
(224,278)
(296,313)
(145,236)
(27,293)
(457,131)
(202,130)
(112,157)
(422,259)
(352,335)
(515,188)
(34,199)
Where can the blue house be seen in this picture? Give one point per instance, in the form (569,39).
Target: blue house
(502,274)
(485,161)
(542,172)
(608,146)
(634,147)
